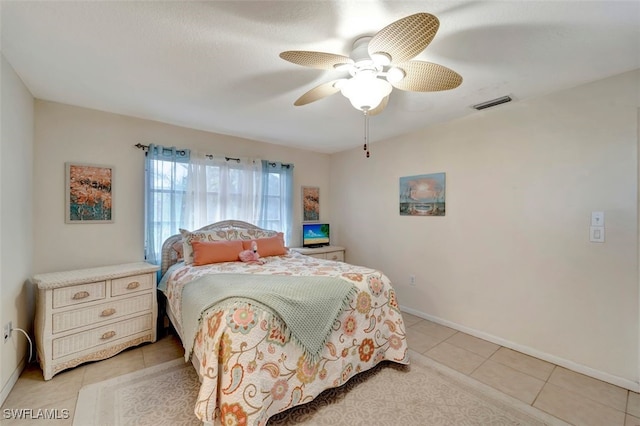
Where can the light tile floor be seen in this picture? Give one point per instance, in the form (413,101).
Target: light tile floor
(573,397)
(570,396)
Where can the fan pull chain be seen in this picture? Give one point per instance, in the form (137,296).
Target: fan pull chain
(366,133)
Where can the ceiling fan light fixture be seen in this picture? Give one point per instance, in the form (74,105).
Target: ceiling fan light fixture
(379,63)
(381,58)
(342,67)
(339,84)
(395,75)
(365,91)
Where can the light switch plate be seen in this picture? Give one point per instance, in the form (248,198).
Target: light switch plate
(597,218)
(596,234)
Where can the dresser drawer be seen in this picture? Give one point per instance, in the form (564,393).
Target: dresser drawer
(99,336)
(63,321)
(77,294)
(131,284)
(336,255)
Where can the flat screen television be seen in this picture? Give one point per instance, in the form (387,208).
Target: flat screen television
(315,234)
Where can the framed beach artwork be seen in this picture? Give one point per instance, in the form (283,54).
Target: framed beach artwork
(89,193)
(422,195)
(310,203)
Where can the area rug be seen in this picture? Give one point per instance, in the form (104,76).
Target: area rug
(424,393)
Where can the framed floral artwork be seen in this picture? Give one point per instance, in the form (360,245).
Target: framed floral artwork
(310,203)
(422,195)
(89,193)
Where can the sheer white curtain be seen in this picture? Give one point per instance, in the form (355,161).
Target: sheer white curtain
(222,188)
(189,190)
(276,211)
(166,172)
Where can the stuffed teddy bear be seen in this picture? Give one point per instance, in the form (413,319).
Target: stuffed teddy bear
(251,256)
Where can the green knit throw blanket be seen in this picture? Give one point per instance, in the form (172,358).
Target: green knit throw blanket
(308,305)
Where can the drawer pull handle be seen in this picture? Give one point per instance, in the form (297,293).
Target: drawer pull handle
(108,312)
(108,335)
(80,295)
(132,285)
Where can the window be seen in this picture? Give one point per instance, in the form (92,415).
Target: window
(273,199)
(277,198)
(185,190)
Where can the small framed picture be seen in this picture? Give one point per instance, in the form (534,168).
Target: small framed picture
(310,204)
(89,193)
(422,195)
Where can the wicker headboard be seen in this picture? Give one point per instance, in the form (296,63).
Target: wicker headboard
(169,255)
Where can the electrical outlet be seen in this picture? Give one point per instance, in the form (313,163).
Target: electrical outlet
(7,331)
(412,280)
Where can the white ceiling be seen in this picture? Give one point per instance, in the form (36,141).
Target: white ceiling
(214,65)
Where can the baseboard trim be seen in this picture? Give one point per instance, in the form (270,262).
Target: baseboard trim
(574,366)
(6,389)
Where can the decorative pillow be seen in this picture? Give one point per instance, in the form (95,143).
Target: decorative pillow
(206,252)
(272,246)
(178,246)
(249,234)
(189,237)
(230,234)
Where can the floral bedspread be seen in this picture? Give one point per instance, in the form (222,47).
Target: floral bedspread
(250,371)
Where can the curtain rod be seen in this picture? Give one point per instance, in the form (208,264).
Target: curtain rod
(146,148)
(209,156)
(281,164)
(183,152)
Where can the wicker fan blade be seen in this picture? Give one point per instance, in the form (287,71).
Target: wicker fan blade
(317,93)
(423,76)
(377,110)
(320,60)
(405,38)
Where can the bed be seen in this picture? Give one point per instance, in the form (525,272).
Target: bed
(252,363)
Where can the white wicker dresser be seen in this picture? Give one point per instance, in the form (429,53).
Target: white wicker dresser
(92,314)
(326,252)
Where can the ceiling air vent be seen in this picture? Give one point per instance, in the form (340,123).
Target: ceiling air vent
(492,103)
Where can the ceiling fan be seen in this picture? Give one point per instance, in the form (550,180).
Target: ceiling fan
(377,64)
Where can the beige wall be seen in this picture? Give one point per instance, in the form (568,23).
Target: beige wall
(511,260)
(66,133)
(16,206)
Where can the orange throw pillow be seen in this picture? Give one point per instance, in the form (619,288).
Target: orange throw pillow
(272,246)
(206,252)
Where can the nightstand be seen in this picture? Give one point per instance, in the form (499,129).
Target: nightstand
(93,314)
(326,252)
